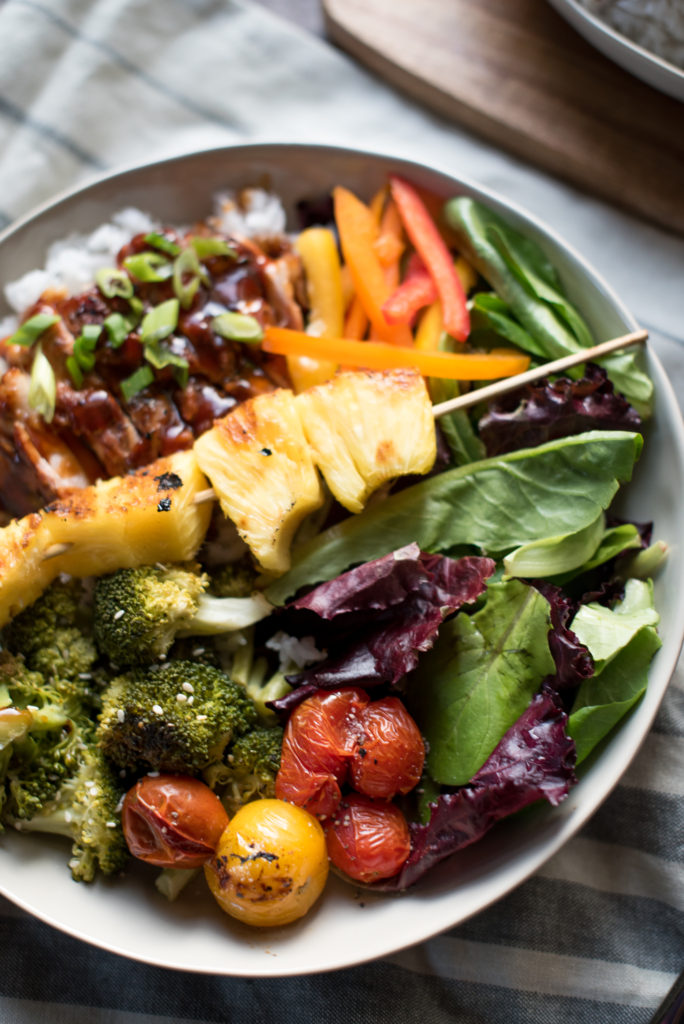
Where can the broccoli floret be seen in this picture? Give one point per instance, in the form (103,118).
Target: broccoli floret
(178,718)
(139,612)
(53,635)
(253,675)
(237,579)
(249,769)
(86,810)
(43,736)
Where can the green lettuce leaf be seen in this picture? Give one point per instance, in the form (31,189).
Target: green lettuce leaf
(493,505)
(605,632)
(478,679)
(554,555)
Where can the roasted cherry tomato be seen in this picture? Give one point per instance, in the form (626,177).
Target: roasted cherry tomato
(367,839)
(389,756)
(320,738)
(271,863)
(173,821)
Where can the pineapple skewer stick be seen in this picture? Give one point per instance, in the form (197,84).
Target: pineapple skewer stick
(502,387)
(471,398)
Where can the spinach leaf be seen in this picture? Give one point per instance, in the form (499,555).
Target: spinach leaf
(494,505)
(490,313)
(553,555)
(478,679)
(520,274)
(605,698)
(605,632)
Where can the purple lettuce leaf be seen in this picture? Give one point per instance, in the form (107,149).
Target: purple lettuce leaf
(534,759)
(573,660)
(547,410)
(375,619)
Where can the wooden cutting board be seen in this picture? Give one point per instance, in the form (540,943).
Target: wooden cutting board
(515,73)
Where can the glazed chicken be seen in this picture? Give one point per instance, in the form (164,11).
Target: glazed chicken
(98,432)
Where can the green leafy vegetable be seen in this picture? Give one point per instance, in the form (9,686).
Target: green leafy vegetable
(31,329)
(479,677)
(553,555)
(459,433)
(522,277)
(495,505)
(605,631)
(489,312)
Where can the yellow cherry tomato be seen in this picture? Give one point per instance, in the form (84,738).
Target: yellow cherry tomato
(270,865)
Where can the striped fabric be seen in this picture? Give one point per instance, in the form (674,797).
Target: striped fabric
(596,937)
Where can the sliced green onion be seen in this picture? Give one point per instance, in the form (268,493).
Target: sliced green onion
(238,327)
(159,322)
(84,346)
(137,308)
(112,282)
(205,247)
(31,329)
(118,328)
(187,274)
(136,382)
(75,371)
(149,266)
(42,393)
(162,243)
(160,357)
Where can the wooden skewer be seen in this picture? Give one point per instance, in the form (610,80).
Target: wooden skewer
(501,387)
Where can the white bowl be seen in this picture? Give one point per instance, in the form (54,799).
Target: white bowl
(639,61)
(128,916)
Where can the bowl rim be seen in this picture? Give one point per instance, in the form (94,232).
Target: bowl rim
(659,72)
(575,818)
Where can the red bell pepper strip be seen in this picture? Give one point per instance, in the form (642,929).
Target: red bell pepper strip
(415,291)
(428,243)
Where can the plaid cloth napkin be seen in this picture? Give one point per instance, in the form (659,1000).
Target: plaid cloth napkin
(596,935)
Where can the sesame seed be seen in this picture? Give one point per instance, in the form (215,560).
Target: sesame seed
(201,718)
(118,615)
(110,824)
(181,697)
(153,775)
(157,709)
(120,715)
(191,700)
(198,652)
(188,687)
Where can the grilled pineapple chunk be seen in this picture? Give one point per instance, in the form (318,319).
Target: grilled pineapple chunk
(261,469)
(145,517)
(365,428)
(24,571)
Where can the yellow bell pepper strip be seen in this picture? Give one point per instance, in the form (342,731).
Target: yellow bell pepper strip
(379,355)
(320,260)
(428,242)
(430,328)
(358,230)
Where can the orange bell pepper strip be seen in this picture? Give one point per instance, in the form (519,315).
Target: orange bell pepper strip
(380,355)
(428,242)
(358,230)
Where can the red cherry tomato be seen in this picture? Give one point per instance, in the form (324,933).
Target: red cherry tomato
(320,738)
(389,757)
(367,839)
(173,821)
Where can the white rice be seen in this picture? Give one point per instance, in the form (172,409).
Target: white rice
(294,652)
(657,25)
(71,263)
